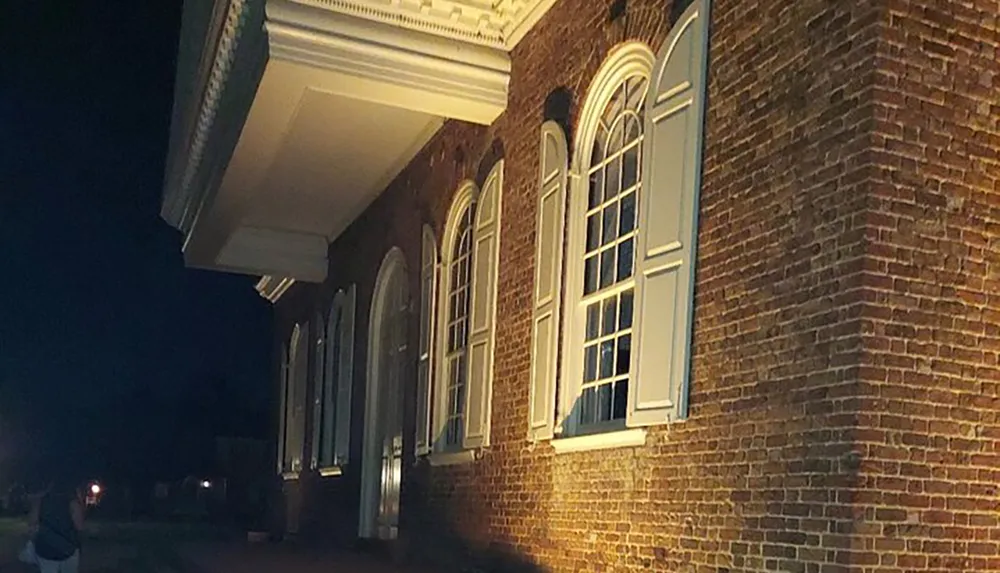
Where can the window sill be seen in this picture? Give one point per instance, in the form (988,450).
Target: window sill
(452,458)
(290,476)
(603,441)
(331,471)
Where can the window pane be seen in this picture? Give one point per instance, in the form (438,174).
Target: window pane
(624,354)
(590,275)
(612,178)
(620,400)
(604,403)
(625,316)
(630,168)
(607,358)
(590,363)
(593,314)
(610,226)
(597,153)
(587,404)
(607,268)
(627,218)
(596,188)
(593,231)
(625,258)
(610,316)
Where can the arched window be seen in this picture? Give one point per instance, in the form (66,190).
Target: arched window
(457,324)
(466,325)
(628,288)
(334,381)
(601,287)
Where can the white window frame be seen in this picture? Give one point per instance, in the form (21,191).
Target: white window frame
(629,60)
(465,198)
(666,233)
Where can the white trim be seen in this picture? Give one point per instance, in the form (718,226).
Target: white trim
(273,288)
(603,441)
(290,476)
(466,196)
(628,60)
(633,58)
(331,471)
(452,458)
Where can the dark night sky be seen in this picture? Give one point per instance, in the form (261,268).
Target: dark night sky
(113,357)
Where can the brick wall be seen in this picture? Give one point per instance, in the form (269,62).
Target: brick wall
(846,338)
(931,325)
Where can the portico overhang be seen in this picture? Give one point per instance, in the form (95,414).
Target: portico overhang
(291,116)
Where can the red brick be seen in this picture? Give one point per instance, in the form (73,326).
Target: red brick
(844,303)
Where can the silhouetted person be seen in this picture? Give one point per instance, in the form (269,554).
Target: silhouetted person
(56,521)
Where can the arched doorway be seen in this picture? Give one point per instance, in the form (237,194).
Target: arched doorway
(383,442)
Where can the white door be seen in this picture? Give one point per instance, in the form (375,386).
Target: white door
(381,474)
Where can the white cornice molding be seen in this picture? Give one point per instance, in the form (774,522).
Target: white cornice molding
(379,54)
(494,23)
(181,201)
(271,287)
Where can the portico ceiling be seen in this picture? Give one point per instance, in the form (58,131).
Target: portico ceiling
(291,116)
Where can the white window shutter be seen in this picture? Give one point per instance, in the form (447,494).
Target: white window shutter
(283,416)
(675,110)
(300,380)
(345,381)
(485,254)
(549,222)
(318,381)
(428,284)
(330,345)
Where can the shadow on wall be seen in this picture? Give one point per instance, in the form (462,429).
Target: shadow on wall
(430,538)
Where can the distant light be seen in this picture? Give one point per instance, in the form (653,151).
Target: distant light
(206,484)
(95,489)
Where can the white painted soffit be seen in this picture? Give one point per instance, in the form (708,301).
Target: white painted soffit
(224,48)
(444,58)
(272,288)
